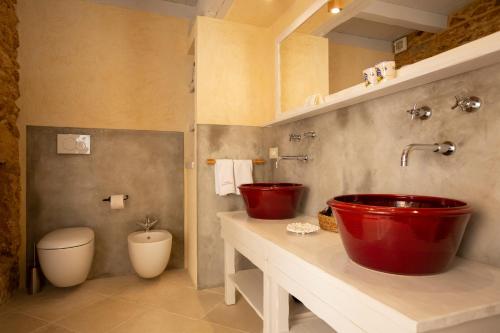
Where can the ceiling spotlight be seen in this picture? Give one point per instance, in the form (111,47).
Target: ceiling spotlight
(335,6)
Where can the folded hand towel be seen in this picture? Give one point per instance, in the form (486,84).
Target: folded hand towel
(242,173)
(224,177)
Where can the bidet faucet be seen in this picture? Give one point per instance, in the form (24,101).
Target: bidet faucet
(445,148)
(303,158)
(148,223)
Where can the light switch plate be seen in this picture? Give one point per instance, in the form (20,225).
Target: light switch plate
(73,144)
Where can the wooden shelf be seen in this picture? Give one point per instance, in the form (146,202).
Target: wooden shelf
(474,55)
(250,284)
(314,324)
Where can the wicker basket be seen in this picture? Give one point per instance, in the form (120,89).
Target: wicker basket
(327,223)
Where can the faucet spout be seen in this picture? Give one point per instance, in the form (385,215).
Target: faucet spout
(445,148)
(303,158)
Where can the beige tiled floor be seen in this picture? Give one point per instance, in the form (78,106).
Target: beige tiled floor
(167,304)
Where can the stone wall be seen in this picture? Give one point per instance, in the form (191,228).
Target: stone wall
(9,153)
(479,19)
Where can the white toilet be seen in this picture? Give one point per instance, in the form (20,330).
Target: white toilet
(66,255)
(149,252)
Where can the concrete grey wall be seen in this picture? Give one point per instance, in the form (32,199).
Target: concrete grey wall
(67,190)
(217,141)
(358,150)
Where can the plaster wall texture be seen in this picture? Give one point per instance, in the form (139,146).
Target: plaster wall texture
(67,190)
(303,69)
(84,64)
(234,77)
(261,13)
(217,141)
(347,63)
(358,150)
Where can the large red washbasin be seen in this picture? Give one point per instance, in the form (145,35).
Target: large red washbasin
(402,234)
(271,201)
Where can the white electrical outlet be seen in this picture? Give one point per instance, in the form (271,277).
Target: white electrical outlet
(273,153)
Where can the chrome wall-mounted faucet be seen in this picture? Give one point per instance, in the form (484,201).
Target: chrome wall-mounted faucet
(445,148)
(297,137)
(303,158)
(310,134)
(422,113)
(148,223)
(467,104)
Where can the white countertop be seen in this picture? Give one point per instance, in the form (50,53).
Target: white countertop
(468,290)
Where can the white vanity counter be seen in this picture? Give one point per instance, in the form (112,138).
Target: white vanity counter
(350,298)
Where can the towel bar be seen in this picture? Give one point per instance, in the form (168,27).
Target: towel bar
(211,161)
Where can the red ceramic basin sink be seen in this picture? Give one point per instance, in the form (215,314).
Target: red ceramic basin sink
(402,234)
(271,201)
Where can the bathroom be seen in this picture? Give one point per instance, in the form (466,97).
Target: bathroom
(162,94)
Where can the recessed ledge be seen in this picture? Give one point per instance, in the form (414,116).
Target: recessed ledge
(465,58)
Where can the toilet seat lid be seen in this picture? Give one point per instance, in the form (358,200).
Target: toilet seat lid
(66,238)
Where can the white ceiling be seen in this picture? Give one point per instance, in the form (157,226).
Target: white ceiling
(162,7)
(444,7)
(185,2)
(374,30)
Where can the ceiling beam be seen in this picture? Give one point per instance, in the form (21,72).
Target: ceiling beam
(416,19)
(214,8)
(154,6)
(350,11)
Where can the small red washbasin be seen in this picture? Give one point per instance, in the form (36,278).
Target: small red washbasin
(402,234)
(271,201)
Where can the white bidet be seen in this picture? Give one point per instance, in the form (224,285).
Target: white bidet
(149,251)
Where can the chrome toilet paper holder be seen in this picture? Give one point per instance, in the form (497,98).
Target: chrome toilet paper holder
(125,197)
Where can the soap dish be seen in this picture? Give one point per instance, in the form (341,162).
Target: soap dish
(302,228)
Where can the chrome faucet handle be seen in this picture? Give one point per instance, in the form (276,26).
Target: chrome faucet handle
(309,134)
(459,102)
(151,221)
(294,137)
(467,104)
(412,111)
(422,113)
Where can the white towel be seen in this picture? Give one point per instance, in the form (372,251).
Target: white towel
(242,173)
(224,177)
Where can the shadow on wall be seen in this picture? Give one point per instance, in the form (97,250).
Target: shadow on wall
(67,190)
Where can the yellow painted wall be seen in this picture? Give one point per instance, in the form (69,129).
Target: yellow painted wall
(234,73)
(88,65)
(293,11)
(261,13)
(316,20)
(303,70)
(348,62)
